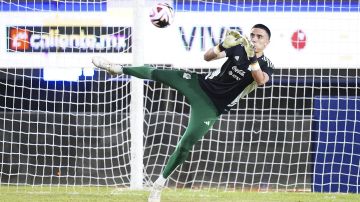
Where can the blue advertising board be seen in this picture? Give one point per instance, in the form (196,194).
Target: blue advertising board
(268,6)
(53,5)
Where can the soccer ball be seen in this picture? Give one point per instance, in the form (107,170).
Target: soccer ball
(162,15)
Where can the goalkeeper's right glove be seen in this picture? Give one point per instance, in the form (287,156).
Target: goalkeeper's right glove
(232,38)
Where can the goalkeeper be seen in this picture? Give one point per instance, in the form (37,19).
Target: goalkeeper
(208,95)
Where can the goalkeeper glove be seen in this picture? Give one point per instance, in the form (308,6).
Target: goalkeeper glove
(232,38)
(249,49)
(250,52)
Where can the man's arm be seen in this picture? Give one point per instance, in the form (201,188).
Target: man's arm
(259,76)
(214,53)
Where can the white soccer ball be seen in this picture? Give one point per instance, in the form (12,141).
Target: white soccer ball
(162,15)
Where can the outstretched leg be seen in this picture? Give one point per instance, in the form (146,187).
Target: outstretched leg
(178,79)
(201,120)
(202,117)
(186,83)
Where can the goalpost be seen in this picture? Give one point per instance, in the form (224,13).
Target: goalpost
(64,123)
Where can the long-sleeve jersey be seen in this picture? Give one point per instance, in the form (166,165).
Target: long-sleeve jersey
(233,81)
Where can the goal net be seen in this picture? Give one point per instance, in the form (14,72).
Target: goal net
(62,122)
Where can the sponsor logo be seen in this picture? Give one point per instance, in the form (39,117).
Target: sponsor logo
(207,122)
(236,73)
(187,76)
(69,39)
(203,36)
(298,39)
(19,39)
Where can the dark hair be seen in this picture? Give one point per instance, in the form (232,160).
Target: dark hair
(261,26)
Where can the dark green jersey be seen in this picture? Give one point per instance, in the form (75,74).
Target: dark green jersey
(234,80)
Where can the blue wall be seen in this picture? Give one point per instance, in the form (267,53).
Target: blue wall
(336,144)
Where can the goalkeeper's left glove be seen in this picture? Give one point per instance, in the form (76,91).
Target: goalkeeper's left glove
(249,49)
(250,52)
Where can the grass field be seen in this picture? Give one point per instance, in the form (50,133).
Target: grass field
(78,194)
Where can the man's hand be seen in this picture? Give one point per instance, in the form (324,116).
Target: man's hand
(232,38)
(249,48)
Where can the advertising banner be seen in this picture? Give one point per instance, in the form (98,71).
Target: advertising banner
(71,39)
(298,40)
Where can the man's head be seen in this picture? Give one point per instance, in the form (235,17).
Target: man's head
(260,37)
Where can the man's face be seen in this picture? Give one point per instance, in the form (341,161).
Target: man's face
(259,38)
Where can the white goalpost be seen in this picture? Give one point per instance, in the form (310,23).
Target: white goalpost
(137,101)
(64,123)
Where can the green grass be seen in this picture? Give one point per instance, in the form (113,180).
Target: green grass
(79,194)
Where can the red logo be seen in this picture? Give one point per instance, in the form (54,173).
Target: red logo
(19,39)
(298,39)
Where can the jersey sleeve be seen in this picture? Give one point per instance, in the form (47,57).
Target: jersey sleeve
(267,69)
(267,66)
